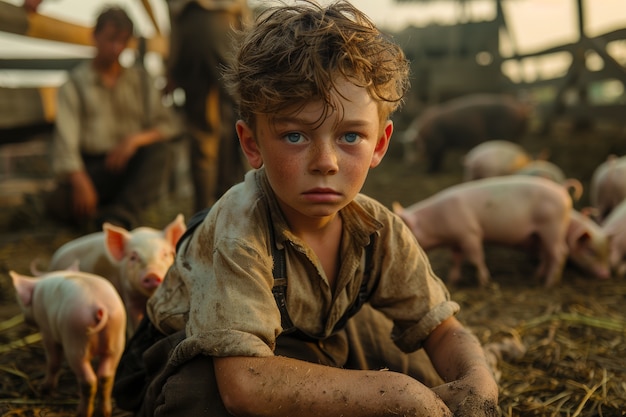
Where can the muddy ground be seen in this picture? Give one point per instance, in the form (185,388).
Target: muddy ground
(574,334)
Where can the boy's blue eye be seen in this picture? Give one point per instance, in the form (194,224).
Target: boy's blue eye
(293,137)
(351,137)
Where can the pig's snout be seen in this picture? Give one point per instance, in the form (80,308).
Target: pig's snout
(603,273)
(151,281)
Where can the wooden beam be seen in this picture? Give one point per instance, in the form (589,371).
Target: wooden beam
(40,64)
(15,19)
(148,8)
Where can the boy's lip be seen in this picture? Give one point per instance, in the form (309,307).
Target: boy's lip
(321,194)
(321,190)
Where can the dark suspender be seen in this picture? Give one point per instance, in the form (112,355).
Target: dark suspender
(280,290)
(279,271)
(192,224)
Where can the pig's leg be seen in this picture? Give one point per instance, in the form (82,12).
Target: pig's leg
(87,384)
(54,357)
(87,399)
(476,256)
(555,255)
(105,388)
(618,266)
(454,275)
(106,375)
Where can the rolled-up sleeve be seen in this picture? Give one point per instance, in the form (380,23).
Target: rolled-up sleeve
(409,292)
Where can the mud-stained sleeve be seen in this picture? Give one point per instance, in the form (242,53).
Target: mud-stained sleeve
(409,292)
(232,311)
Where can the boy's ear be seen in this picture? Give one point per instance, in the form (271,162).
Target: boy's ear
(382,144)
(249,145)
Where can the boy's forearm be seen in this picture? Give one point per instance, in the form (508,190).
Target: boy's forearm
(460,360)
(456,351)
(147,137)
(278,386)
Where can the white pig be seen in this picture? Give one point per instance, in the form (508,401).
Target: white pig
(134,261)
(82,316)
(543,168)
(551,171)
(588,245)
(512,210)
(615,227)
(608,186)
(494,158)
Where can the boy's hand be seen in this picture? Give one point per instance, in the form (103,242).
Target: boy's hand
(84,195)
(118,157)
(470,396)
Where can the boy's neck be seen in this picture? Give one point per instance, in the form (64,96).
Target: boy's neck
(311,227)
(325,242)
(108,72)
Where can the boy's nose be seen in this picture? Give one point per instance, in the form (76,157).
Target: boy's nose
(324,159)
(119,46)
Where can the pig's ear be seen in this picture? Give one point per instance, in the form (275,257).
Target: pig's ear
(175,230)
(115,239)
(583,239)
(576,232)
(24,286)
(592,212)
(75,266)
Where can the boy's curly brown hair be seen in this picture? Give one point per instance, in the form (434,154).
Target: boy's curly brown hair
(296,52)
(116,16)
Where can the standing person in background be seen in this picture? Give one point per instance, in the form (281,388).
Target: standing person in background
(201,40)
(109,148)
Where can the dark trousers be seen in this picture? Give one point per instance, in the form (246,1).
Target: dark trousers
(121,196)
(189,388)
(201,43)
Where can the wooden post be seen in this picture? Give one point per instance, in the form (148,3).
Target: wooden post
(572,79)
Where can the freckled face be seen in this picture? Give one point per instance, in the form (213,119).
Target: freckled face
(317,169)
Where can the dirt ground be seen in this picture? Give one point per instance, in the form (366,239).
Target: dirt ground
(574,334)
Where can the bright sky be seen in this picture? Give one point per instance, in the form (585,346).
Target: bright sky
(535,24)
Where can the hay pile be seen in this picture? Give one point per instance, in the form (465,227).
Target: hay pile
(574,362)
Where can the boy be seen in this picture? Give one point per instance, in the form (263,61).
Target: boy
(109,150)
(265,285)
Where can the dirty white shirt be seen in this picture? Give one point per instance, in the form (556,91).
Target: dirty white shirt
(92,118)
(220,286)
